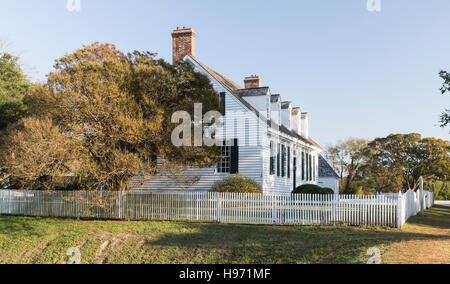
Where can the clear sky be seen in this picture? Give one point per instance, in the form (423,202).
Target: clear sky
(358,73)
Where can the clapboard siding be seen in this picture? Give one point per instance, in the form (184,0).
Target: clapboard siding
(282,185)
(238,120)
(254,139)
(205,180)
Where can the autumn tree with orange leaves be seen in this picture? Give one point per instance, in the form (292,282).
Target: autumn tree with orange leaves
(105,116)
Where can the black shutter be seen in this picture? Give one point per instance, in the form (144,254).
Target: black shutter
(310,167)
(222,102)
(303,165)
(289,162)
(235,157)
(313,168)
(278,159)
(272,158)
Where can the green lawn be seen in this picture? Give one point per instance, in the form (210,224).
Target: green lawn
(34,240)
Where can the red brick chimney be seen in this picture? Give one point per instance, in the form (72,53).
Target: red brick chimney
(183,41)
(253,81)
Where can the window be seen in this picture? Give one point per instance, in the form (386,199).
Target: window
(229,162)
(272,158)
(225,163)
(283,161)
(310,168)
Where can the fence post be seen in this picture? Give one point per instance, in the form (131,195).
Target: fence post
(334,204)
(219,207)
(78,200)
(421,198)
(400,210)
(9,202)
(120,205)
(197,212)
(274,211)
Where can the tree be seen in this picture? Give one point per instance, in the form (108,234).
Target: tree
(381,178)
(14,85)
(40,155)
(445,117)
(405,158)
(118,108)
(346,157)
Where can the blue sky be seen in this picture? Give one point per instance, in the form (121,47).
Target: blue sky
(358,73)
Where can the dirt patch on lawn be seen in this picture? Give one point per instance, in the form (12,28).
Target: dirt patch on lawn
(27,254)
(112,243)
(434,249)
(419,252)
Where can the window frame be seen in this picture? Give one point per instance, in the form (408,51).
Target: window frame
(272,158)
(224,165)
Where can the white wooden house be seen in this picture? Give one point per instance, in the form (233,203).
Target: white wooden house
(327,175)
(266,139)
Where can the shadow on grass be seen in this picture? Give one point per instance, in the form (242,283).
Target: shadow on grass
(180,242)
(436,217)
(267,244)
(19,225)
(307,244)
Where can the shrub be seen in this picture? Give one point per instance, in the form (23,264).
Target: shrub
(327,190)
(312,189)
(237,184)
(441,189)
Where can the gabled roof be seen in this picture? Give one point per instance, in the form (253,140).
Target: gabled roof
(253,92)
(286,105)
(227,83)
(235,88)
(325,170)
(275,98)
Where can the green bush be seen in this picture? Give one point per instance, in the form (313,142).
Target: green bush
(312,189)
(237,184)
(327,190)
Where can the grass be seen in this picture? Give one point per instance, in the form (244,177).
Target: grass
(36,240)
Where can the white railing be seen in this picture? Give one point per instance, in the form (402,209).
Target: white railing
(300,209)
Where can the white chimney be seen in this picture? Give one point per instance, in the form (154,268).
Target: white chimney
(297,120)
(305,125)
(286,114)
(275,109)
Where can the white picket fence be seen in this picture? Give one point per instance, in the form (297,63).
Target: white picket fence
(297,209)
(410,204)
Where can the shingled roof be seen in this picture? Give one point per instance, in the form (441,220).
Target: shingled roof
(275,98)
(227,83)
(325,170)
(253,92)
(235,89)
(286,105)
